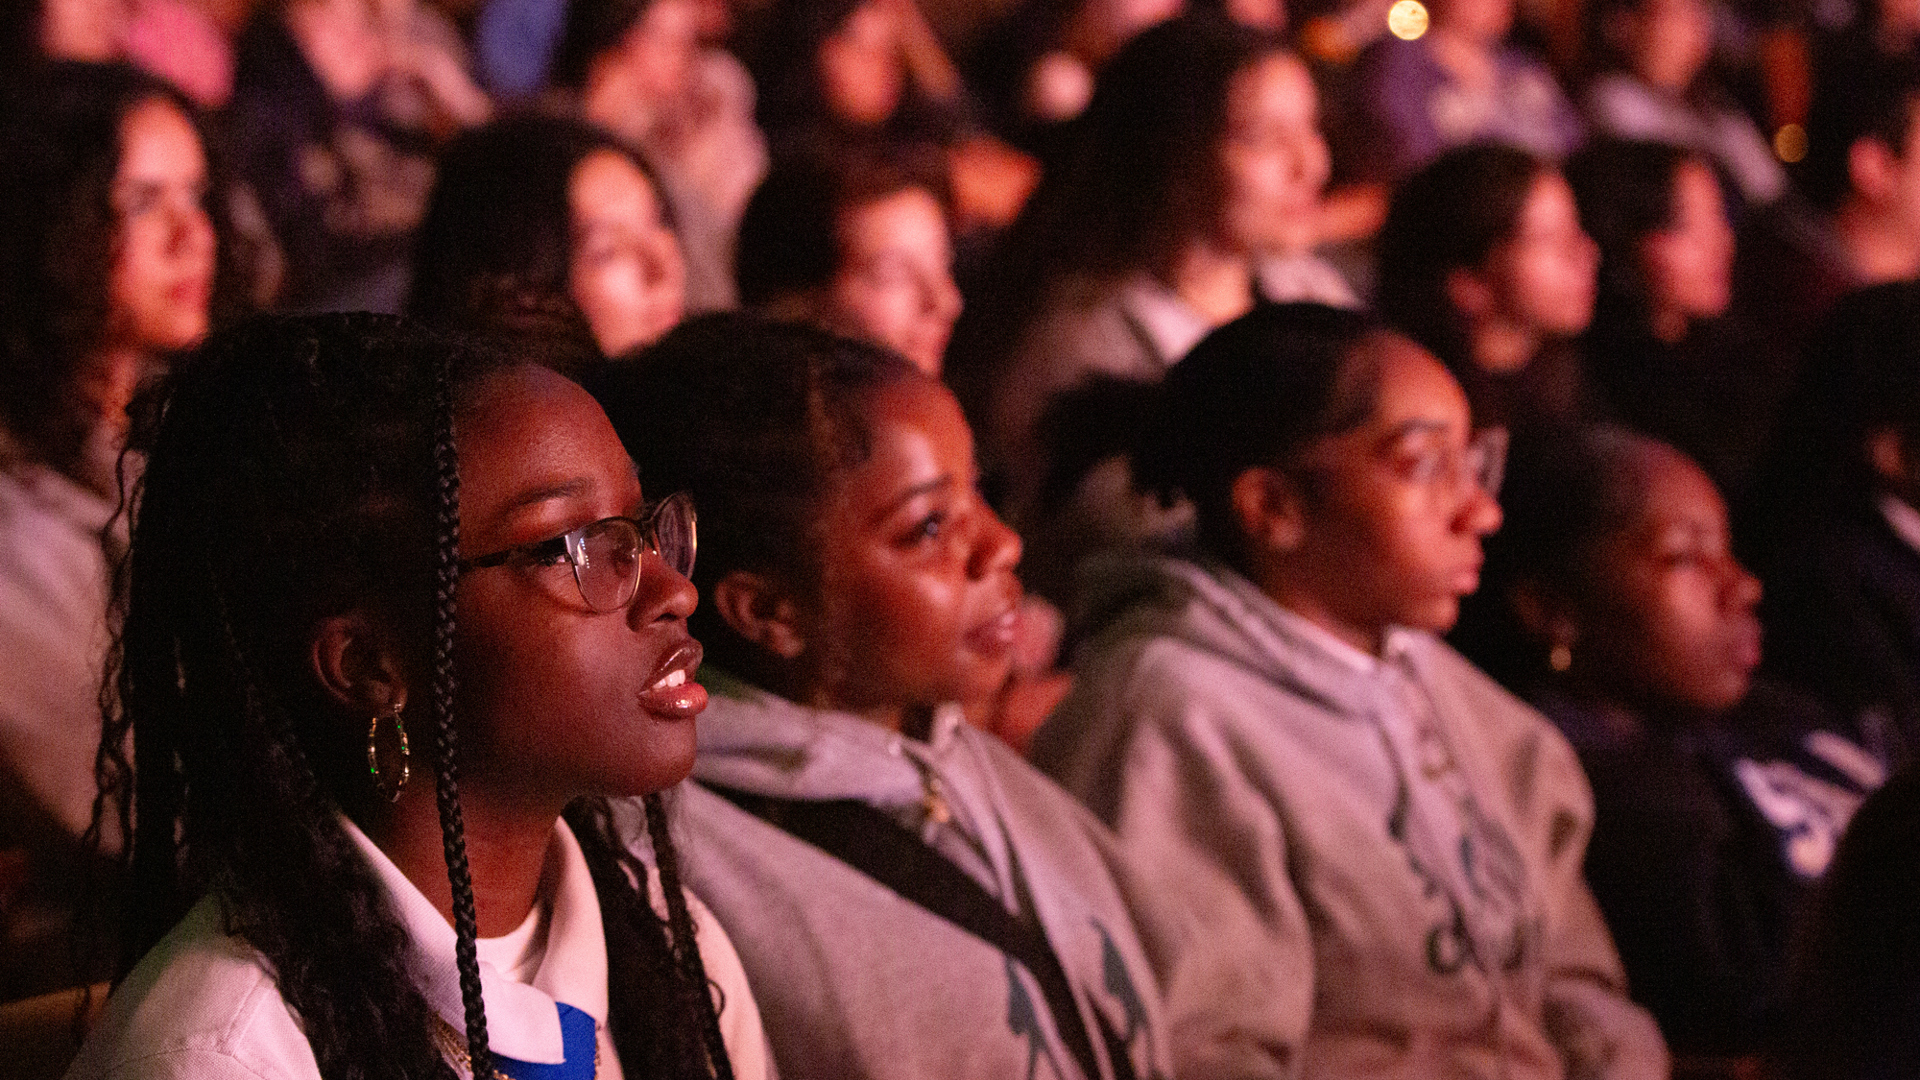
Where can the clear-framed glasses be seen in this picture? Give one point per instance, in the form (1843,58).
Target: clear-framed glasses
(1482,464)
(607,555)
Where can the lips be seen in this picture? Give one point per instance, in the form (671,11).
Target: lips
(671,693)
(995,636)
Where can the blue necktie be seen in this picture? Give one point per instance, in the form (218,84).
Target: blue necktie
(576,1036)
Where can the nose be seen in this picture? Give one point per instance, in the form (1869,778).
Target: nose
(995,548)
(943,298)
(1742,591)
(664,594)
(192,233)
(1480,514)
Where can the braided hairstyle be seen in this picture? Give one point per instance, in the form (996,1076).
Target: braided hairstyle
(299,469)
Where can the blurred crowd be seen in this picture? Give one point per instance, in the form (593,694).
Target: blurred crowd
(1659,261)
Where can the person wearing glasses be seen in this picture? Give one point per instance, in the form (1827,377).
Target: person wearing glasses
(405,666)
(1276,717)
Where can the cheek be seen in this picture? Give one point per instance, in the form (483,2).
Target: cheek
(884,312)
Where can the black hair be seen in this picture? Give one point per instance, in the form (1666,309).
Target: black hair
(299,469)
(789,240)
(1141,173)
(787,67)
(756,420)
(1449,216)
(1258,391)
(1862,376)
(1563,493)
(1626,191)
(591,29)
(1853,1006)
(60,148)
(496,245)
(1875,101)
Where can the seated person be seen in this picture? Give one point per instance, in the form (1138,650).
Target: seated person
(1456,84)
(1281,711)
(111,263)
(857,243)
(1612,600)
(1482,261)
(909,897)
(550,232)
(1835,523)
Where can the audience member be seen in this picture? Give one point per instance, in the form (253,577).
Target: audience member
(1856,1005)
(1199,155)
(554,234)
(321,495)
(1612,600)
(109,264)
(338,107)
(1036,68)
(910,898)
(856,243)
(1862,175)
(1836,521)
(1458,83)
(1409,834)
(1482,261)
(1659,352)
(839,72)
(639,69)
(1654,83)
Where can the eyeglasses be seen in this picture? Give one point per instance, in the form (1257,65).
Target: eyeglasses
(1482,465)
(606,555)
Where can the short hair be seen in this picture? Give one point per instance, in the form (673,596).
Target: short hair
(1625,190)
(1875,101)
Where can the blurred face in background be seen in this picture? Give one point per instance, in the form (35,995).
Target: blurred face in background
(1667,42)
(1688,265)
(895,281)
(626,275)
(861,68)
(1484,22)
(1668,615)
(1273,159)
(161,277)
(1542,279)
(660,50)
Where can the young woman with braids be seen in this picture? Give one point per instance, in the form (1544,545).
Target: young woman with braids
(364,554)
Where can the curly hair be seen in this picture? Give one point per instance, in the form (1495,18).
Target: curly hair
(299,469)
(60,148)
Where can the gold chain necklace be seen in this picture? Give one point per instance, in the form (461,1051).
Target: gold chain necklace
(454,1044)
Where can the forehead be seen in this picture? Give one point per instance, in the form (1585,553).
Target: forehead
(605,183)
(155,135)
(528,425)
(1415,389)
(1276,84)
(1675,491)
(915,433)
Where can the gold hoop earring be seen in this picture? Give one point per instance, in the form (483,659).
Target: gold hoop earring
(373,754)
(1560,657)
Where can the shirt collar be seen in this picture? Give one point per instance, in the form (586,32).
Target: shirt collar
(1171,323)
(522,1022)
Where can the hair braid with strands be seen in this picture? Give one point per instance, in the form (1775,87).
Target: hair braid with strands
(298,469)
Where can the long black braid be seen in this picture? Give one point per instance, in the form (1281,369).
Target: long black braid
(300,468)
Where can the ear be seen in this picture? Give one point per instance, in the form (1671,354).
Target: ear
(762,610)
(1268,508)
(356,665)
(1873,169)
(1469,291)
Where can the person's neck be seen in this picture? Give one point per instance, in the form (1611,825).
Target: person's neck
(1215,283)
(1501,348)
(1669,326)
(1468,59)
(506,852)
(1879,246)
(1285,588)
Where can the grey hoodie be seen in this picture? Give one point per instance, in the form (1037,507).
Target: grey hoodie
(854,981)
(1404,829)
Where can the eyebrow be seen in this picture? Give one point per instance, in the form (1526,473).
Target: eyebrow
(565,490)
(917,490)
